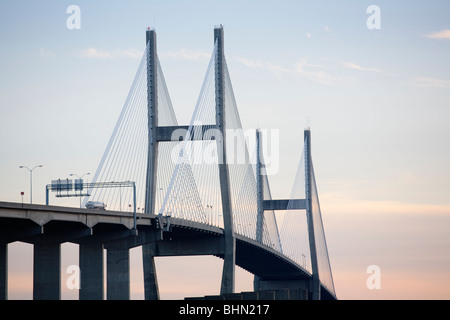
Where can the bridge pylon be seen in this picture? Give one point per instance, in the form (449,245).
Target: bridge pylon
(151,289)
(307,202)
(228,274)
(229,256)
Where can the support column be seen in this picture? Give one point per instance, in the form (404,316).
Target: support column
(152,113)
(47,271)
(118,273)
(260,200)
(315,282)
(228,275)
(151,288)
(3,271)
(259,189)
(150,280)
(91,271)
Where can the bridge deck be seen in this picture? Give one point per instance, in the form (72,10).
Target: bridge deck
(37,223)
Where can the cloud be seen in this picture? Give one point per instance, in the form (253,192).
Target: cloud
(303,63)
(310,72)
(301,68)
(427,82)
(264,65)
(93,53)
(130,53)
(339,203)
(354,66)
(444,34)
(186,54)
(46,53)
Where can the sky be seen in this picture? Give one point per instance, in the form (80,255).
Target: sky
(373,86)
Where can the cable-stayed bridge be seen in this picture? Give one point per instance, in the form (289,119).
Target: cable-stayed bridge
(200,189)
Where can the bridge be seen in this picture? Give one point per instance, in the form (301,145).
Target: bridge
(200,189)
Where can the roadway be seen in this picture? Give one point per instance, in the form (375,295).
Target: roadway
(54,224)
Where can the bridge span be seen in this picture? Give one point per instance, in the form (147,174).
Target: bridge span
(47,227)
(203,189)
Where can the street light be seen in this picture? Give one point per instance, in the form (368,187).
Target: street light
(31,179)
(85,174)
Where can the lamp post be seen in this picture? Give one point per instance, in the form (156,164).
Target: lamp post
(31,179)
(85,174)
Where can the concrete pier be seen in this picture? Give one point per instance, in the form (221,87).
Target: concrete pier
(118,272)
(91,271)
(47,271)
(3,271)
(151,289)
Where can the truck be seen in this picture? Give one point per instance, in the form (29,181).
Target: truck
(95,205)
